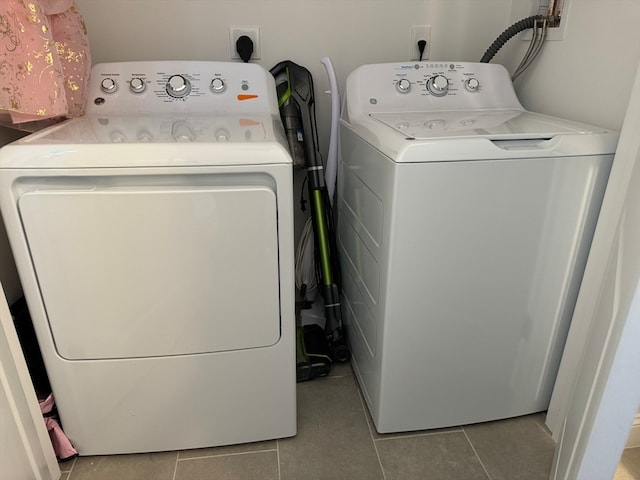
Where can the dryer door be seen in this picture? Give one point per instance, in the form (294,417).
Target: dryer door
(154,271)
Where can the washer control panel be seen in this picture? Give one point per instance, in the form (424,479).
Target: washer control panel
(428,86)
(125,88)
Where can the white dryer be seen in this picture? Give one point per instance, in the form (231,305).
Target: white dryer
(464,225)
(154,241)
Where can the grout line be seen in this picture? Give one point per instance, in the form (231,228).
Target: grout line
(73,464)
(414,435)
(373,441)
(175,467)
(228,454)
(337,376)
(476,453)
(278,458)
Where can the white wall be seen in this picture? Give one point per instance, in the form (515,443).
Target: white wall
(351,32)
(587,76)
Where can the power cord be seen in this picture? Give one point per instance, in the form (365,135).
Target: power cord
(244,47)
(422,44)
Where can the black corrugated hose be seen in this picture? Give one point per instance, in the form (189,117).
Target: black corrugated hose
(505,36)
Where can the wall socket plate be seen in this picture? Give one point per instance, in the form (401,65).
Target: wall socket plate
(541,7)
(253,33)
(420,32)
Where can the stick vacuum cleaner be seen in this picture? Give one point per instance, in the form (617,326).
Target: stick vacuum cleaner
(297,110)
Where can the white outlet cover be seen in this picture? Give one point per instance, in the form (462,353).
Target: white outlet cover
(420,32)
(253,33)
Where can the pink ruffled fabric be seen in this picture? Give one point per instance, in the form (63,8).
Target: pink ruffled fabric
(61,444)
(44,60)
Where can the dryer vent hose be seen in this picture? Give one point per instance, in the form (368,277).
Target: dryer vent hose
(521,26)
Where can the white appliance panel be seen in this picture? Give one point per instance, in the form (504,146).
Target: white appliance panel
(194,251)
(154,242)
(464,224)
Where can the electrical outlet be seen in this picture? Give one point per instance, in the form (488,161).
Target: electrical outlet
(420,32)
(253,33)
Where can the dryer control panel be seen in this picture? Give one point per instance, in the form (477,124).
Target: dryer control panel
(190,87)
(428,86)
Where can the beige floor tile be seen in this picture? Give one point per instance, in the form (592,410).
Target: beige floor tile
(629,467)
(231,449)
(442,456)
(143,466)
(513,449)
(378,436)
(333,441)
(64,476)
(67,466)
(341,370)
(243,466)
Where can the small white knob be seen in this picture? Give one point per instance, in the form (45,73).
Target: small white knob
(117,137)
(137,85)
(438,85)
(403,85)
(108,85)
(222,135)
(472,84)
(217,85)
(144,136)
(437,124)
(181,131)
(178,86)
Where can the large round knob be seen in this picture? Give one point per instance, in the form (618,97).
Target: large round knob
(403,85)
(438,85)
(472,84)
(217,85)
(108,85)
(137,85)
(178,86)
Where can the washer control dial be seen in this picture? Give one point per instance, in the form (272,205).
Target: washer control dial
(438,85)
(403,85)
(108,85)
(217,85)
(178,86)
(137,85)
(472,84)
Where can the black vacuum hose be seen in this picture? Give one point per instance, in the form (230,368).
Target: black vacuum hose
(505,36)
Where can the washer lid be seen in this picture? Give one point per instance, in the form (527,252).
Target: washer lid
(510,124)
(484,134)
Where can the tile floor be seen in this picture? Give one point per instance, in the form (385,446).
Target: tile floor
(336,441)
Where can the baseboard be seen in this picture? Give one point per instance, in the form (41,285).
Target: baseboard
(634,436)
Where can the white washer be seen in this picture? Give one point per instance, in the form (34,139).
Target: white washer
(154,241)
(464,224)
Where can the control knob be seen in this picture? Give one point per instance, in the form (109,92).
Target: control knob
(178,86)
(438,85)
(137,85)
(217,85)
(403,85)
(472,84)
(108,85)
